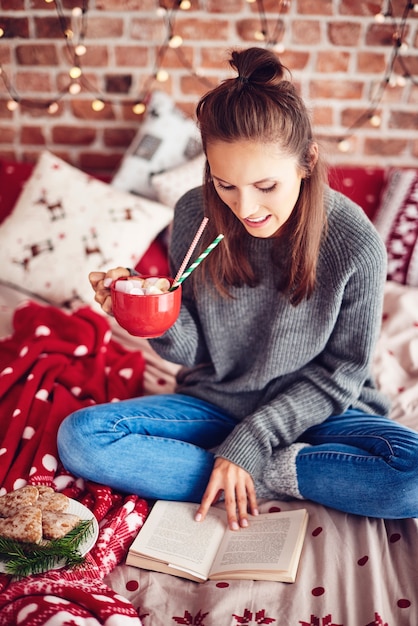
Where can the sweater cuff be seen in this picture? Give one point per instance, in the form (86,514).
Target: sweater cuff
(241,448)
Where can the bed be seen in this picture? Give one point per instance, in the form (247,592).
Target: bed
(59,352)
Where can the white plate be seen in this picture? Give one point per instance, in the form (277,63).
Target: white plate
(75,508)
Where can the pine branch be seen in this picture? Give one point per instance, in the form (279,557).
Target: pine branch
(22,559)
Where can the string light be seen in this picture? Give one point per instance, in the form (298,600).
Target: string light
(74,33)
(390,77)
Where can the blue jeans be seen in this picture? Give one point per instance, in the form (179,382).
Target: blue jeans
(159,447)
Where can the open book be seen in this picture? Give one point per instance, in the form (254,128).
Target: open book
(171,541)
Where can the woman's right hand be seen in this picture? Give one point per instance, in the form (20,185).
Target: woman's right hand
(101,281)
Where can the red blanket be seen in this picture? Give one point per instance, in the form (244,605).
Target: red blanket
(54,363)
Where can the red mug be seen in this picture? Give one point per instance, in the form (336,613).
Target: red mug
(147,315)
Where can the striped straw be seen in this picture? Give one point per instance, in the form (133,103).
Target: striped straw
(190,251)
(198,261)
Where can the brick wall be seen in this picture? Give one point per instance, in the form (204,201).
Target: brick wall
(337,51)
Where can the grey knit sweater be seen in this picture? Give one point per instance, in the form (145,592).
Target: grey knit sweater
(279,369)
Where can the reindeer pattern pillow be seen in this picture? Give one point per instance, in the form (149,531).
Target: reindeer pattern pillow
(66,224)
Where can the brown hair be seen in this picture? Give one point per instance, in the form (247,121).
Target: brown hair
(260,104)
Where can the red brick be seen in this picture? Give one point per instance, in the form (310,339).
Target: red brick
(407,65)
(344,34)
(322,116)
(137,56)
(403,119)
(224,6)
(33,82)
(32,135)
(385,147)
(178,57)
(119,137)
(7,134)
(15,27)
(371,62)
(40,54)
(13,5)
(271,6)
(336,62)
(215,58)
(48,28)
(128,5)
(118,83)
(294,59)
(306,32)
(5,55)
(336,89)
(81,136)
(190,86)
(151,31)
(199,30)
(105,27)
(359,7)
(314,7)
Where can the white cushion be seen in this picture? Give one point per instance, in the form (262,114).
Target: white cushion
(173,183)
(66,224)
(165,139)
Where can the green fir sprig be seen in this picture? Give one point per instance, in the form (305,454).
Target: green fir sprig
(22,559)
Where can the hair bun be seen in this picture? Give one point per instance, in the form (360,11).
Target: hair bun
(257,66)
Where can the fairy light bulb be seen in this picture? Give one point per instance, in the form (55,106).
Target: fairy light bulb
(162,76)
(259,35)
(175,41)
(80,50)
(279,48)
(12,105)
(97,105)
(185,5)
(379,18)
(1,32)
(74,89)
(139,108)
(75,72)
(375,120)
(53,108)
(344,145)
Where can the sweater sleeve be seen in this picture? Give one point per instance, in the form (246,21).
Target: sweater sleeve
(184,343)
(330,384)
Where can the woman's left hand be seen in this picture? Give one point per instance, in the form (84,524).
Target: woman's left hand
(238,487)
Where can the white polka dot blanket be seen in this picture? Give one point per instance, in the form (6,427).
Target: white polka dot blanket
(53,363)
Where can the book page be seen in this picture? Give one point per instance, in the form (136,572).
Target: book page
(268,544)
(171,534)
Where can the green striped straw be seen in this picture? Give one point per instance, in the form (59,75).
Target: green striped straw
(198,261)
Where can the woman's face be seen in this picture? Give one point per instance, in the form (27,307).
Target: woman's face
(257,182)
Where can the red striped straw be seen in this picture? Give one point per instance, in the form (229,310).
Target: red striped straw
(190,250)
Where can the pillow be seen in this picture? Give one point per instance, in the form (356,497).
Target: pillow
(12,179)
(165,139)
(397,222)
(66,224)
(173,183)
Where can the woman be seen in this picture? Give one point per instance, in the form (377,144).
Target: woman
(276,333)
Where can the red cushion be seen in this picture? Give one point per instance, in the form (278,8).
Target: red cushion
(361,184)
